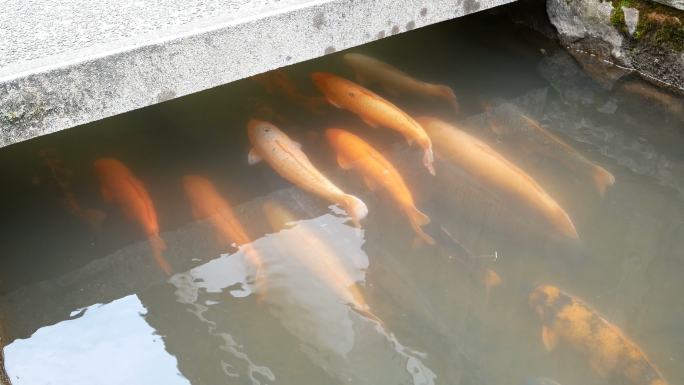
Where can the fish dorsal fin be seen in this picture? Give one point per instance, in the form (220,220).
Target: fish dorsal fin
(253,157)
(370,123)
(106,194)
(334,103)
(344,163)
(370,183)
(296,144)
(549,338)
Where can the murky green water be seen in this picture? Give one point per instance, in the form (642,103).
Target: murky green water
(87,304)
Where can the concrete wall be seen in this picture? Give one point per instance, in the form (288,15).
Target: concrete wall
(99,59)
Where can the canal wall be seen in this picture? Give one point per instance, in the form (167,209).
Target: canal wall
(99,59)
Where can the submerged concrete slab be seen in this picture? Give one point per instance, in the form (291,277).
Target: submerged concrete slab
(71,63)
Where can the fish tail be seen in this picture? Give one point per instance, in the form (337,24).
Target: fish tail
(448,94)
(355,208)
(602,179)
(429,160)
(158,245)
(417,220)
(564,224)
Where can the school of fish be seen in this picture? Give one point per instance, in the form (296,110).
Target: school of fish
(565,319)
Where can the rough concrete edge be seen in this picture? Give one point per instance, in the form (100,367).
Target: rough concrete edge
(40,103)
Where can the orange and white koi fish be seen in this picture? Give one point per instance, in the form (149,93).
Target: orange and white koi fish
(611,354)
(319,258)
(354,152)
(497,173)
(571,158)
(119,185)
(62,178)
(278,82)
(287,159)
(208,204)
(374,110)
(395,82)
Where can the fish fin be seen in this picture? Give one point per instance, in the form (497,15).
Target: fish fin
(602,179)
(94,218)
(253,157)
(489,279)
(368,122)
(549,338)
(296,144)
(429,160)
(448,94)
(355,207)
(417,220)
(344,163)
(158,245)
(106,195)
(334,103)
(564,224)
(370,183)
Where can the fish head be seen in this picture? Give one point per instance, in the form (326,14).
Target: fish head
(109,167)
(544,298)
(261,130)
(336,136)
(355,59)
(322,79)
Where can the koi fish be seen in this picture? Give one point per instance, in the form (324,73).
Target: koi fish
(395,82)
(287,159)
(572,159)
(278,82)
(62,178)
(208,204)
(119,185)
(374,110)
(497,173)
(354,152)
(568,319)
(319,259)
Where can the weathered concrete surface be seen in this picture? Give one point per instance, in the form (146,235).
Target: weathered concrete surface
(98,59)
(679,4)
(643,37)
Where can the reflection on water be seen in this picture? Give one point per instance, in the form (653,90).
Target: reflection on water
(108,342)
(215,271)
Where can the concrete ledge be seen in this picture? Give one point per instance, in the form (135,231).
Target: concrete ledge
(105,58)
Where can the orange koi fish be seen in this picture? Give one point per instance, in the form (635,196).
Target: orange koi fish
(571,158)
(354,152)
(278,82)
(395,82)
(497,173)
(568,319)
(62,178)
(287,159)
(319,259)
(208,204)
(374,110)
(119,185)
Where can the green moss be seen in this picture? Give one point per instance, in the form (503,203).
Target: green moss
(617,19)
(658,24)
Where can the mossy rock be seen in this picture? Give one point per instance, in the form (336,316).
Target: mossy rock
(658,24)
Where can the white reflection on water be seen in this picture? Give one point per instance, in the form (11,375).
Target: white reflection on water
(350,346)
(109,344)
